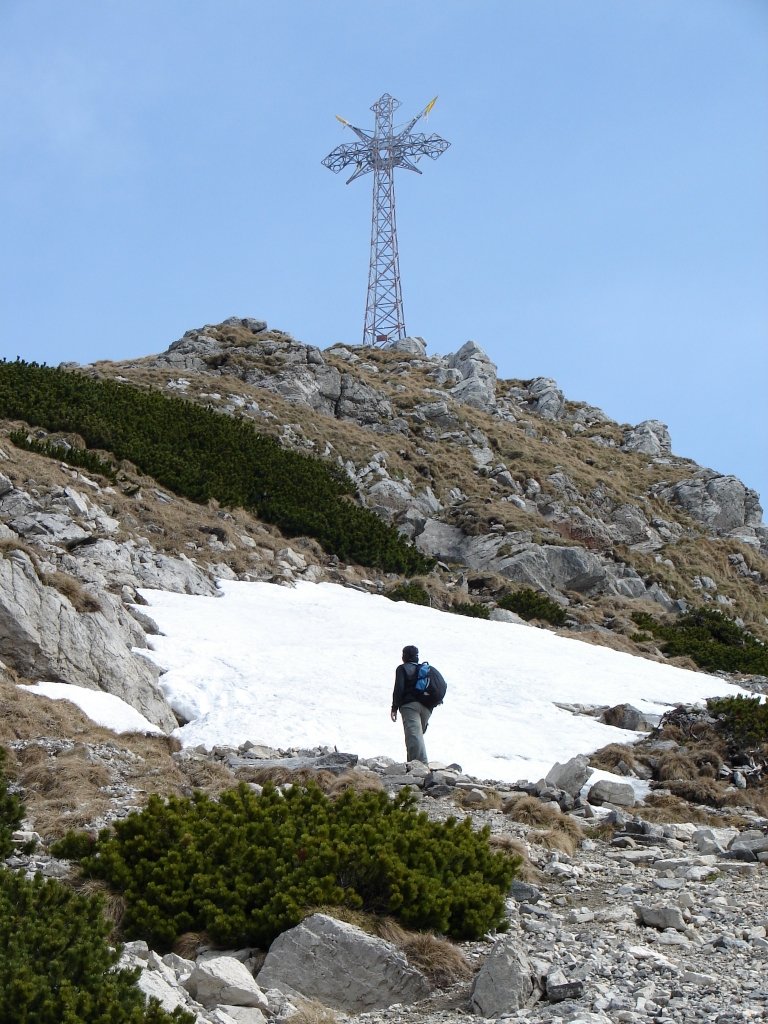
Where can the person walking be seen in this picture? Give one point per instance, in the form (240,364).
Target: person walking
(415,707)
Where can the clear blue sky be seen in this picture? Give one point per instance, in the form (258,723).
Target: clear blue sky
(601,216)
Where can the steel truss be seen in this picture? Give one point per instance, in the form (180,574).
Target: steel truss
(380,152)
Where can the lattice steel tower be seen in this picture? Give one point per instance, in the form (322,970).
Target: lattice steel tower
(381,151)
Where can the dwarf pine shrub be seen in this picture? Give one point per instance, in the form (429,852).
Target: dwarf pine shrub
(413,593)
(202,454)
(471,608)
(531,604)
(83,458)
(244,868)
(57,965)
(743,721)
(715,642)
(11,811)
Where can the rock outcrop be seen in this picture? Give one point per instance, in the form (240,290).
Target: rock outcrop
(341,966)
(44,636)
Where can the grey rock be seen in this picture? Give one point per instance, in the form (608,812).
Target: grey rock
(335,762)
(752,844)
(224,979)
(651,437)
(44,637)
(53,527)
(524,892)
(625,716)
(721,503)
(155,986)
(106,562)
(342,966)
(505,982)
(412,346)
(559,988)
(605,791)
(570,776)
(478,384)
(546,398)
(245,1014)
(660,917)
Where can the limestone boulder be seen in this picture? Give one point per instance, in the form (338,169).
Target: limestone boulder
(478,384)
(224,980)
(661,917)
(720,503)
(546,398)
(625,716)
(606,791)
(43,636)
(569,776)
(651,437)
(108,563)
(413,346)
(505,983)
(342,966)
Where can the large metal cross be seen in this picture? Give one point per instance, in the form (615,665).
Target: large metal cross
(380,152)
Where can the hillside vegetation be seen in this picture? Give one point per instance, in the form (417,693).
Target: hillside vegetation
(202,454)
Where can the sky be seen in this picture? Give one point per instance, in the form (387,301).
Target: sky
(601,216)
(314,665)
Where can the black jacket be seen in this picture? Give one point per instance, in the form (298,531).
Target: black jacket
(404,693)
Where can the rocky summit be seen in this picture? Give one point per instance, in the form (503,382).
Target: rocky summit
(641,896)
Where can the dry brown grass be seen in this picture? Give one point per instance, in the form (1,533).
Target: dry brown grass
(63,791)
(212,777)
(359,781)
(707,760)
(189,944)
(528,810)
(280,776)
(72,775)
(513,847)
(698,791)
(312,1011)
(24,715)
(81,599)
(676,766)
(9,544)
(561,831)
(556,839)
(754,799)
(382,926)
(608,758)
(666,809)
(441,961)
(113,902)
(491,800)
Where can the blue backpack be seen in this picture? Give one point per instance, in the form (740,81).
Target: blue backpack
(421,684)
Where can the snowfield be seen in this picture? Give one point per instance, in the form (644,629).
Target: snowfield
(313,665)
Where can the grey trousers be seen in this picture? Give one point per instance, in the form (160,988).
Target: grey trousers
(415,719)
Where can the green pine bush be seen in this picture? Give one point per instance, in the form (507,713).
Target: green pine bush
(201,454)
(57,965)
(743,721)
(81,457)
(715,642)
(472,609)
(11,811)
(531,604)
(244,868)
(413,593)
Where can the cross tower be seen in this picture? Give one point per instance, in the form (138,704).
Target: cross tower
(381,151)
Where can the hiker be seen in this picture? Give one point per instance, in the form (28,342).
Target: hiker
(415,707)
